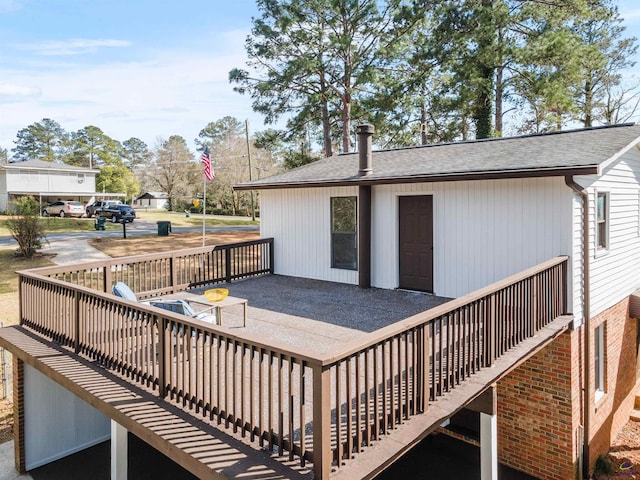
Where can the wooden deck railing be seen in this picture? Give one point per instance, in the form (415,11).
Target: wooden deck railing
(321,410)
(393,376)
(170,272)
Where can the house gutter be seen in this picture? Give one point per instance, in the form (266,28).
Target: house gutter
(586,314)
(357,180)
(365,134)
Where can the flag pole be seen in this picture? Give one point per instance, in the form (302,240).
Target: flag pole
(208,175)
(204,208)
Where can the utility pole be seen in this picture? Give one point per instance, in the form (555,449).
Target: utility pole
(253,209)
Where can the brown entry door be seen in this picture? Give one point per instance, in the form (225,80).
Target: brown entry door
(416,243)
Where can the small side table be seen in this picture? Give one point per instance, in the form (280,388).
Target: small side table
(227,302)
(218,306)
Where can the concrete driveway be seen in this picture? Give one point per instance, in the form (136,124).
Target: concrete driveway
(73,247)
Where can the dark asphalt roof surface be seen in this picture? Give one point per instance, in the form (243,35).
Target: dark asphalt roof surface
(538,154)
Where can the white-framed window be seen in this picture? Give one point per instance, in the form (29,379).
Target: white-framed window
(28,176)
(602,220)
(344,241)
(599,360)
(81,178)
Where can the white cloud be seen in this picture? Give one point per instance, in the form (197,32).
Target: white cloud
(7,6)
(631,15)
(8,90)
(77,46)
(170,93)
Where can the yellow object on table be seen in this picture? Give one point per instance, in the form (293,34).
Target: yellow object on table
(216,294)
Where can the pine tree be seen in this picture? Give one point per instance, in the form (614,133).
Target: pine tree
(314,60)
(39,141)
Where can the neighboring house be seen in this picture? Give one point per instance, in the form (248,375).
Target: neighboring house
(450,219)
(152,200)
(47,182)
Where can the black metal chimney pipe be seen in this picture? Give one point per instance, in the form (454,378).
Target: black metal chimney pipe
(365,134)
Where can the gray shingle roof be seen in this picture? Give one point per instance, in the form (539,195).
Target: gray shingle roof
(552,154)
(153,195)
(42,165)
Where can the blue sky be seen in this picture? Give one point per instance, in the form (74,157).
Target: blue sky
(134,68)
(137,68)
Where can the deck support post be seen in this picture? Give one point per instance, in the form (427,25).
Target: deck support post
(118,451)
(488,446)
(322,454)
(487,405)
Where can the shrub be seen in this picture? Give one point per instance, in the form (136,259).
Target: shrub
(26,229)
(603,467)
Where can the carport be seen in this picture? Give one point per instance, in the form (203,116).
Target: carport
(47,197)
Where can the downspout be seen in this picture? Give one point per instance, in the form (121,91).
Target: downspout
(586,410)
(365,134)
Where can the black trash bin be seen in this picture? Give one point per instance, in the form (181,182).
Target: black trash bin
(99,223)
(164,227)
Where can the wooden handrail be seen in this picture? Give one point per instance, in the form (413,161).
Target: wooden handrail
(279,394)
(170,272)
(97,264)
(409,365)
(344,350)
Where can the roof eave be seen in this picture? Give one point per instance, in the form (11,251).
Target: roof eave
(445,177)
(52,169)
(604,165)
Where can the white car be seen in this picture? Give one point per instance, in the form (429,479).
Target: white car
(64,209)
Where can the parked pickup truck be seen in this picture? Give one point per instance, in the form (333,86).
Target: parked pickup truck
(118,212)
(97,206)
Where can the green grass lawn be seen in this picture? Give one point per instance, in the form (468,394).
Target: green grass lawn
(194,220)
(9,264)
(54,224)
(66,225)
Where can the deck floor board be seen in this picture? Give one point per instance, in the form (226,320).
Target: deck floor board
(196,445)
(306,315)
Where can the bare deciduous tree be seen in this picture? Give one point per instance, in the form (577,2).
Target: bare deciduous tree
(173,169)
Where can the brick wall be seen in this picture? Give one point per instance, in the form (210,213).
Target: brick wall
(537,427)
(539,403)
(611,412)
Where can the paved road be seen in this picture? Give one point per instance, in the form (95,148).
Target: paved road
(69,248)
(135,228)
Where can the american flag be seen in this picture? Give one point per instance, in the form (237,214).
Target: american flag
(206,163)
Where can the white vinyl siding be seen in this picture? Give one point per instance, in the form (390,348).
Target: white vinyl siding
(56,422)
(638,213)
(614,276)
(4,197)
(576,260)
(29,177)
(484,230)
(32,181)
(299,220)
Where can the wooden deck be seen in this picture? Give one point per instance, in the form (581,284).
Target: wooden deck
(196,445)
(405,436)
(308,388)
